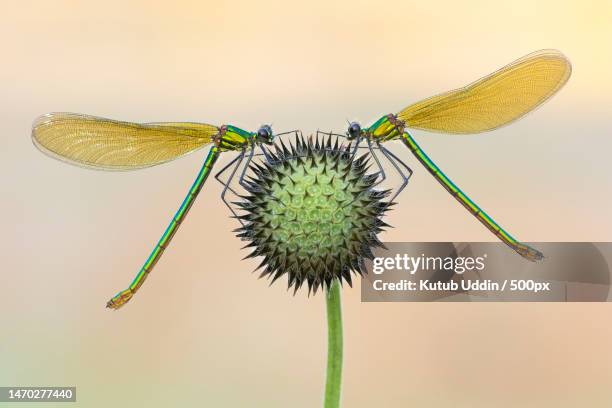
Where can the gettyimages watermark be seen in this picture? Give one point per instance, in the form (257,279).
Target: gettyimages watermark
(477,272)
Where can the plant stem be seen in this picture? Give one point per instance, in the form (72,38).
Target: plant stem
(334,346)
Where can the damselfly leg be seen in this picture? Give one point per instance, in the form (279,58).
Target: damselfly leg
(394,160)
(381,170)
(227,184)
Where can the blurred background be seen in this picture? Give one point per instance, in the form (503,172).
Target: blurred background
(204,331)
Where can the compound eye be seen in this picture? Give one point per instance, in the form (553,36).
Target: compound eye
(354,129)
(263,134)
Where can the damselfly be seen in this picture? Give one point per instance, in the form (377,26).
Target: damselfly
(487,104)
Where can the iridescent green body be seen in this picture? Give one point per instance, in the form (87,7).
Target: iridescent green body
(390,128)
(230,138)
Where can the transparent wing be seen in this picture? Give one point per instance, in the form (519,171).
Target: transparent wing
(94,142)
(494,100)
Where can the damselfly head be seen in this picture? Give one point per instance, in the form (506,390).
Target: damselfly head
(265,135)
(354,130)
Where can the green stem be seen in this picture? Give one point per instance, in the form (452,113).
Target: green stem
(334,346)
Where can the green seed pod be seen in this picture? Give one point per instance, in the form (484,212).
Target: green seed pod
(311,211)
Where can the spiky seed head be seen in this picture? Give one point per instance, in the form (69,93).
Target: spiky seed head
(312,213)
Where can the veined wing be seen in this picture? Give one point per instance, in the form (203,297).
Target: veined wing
(494,100)
(100,143)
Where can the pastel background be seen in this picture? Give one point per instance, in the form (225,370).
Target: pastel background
(204,331)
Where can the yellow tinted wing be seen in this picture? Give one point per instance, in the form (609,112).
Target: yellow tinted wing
(494,100)
(95,142)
